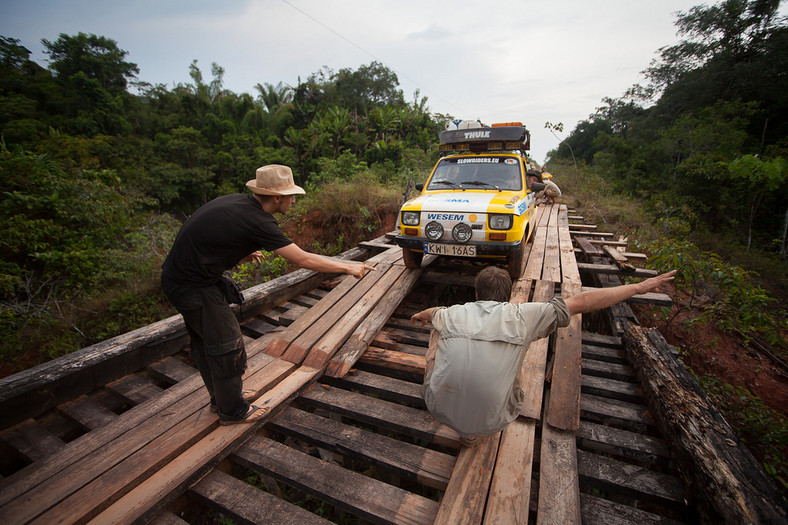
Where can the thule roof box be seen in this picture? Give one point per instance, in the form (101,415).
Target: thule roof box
(505,136)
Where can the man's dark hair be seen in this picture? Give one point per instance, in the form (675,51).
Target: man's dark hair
(493,284)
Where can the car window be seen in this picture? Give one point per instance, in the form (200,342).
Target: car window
(477,173)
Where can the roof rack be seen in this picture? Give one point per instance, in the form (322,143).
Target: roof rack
(505,136)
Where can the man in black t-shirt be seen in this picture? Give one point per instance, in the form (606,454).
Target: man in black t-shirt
(218,236)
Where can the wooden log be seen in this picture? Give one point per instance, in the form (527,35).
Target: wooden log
(726,481)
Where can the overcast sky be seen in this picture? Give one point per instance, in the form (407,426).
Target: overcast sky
(522,60)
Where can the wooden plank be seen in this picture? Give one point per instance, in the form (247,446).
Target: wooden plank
(614,270)
(533,266)
(394,360)
(341,330)
(32,441)
(256,327)
(35,490)
(383,387)
(569,270)
(135,389)
(465,497)
(609,370)
(535,362)
(552,257)
(422,465)
(619,259)
(564,409)
(602,339)
(164,485)
(609,242)
(622,443)
(358,342)
(598,511)
(171,370)
(586,247)
(576,226)
(601,353)
(328,323)
(592,233)
(350,491)
(609,474)
(282,340)
(242,502)
(293,312)
(510,490)
(168,518)
(610,388)
(559,484)
(397,418)
(627,415)
(87,413)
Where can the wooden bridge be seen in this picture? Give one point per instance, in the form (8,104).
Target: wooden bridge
(122,432)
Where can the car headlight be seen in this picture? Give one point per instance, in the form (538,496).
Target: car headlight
(500,222)
(410,218)
(462,232)
(433,231)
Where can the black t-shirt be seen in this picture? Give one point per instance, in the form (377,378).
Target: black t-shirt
(218,236)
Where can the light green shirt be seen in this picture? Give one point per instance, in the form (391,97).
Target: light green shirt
(474,386)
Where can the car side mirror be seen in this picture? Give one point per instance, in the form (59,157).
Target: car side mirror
(419,186)
(538,186)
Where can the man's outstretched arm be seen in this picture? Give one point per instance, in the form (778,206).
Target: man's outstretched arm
(599,298)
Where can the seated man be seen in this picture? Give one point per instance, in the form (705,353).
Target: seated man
(472,380)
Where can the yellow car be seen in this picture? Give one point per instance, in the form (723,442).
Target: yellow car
(476,201)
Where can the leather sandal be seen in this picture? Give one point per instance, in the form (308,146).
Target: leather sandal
(254,414)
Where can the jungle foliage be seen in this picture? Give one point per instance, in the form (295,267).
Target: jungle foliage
(98,170)
(705,142)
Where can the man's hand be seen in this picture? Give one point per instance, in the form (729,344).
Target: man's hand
(359,270)
(255,257)
(651,284)
(423,317)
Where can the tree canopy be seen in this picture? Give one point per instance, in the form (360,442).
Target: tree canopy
(685,141)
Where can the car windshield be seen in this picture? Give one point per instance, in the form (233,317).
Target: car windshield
(478,173)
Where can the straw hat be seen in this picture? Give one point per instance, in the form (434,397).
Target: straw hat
(274,179)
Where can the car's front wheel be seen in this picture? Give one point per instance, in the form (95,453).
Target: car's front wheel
(412,259)
(515,262)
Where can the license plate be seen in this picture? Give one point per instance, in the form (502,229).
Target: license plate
(456,250)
